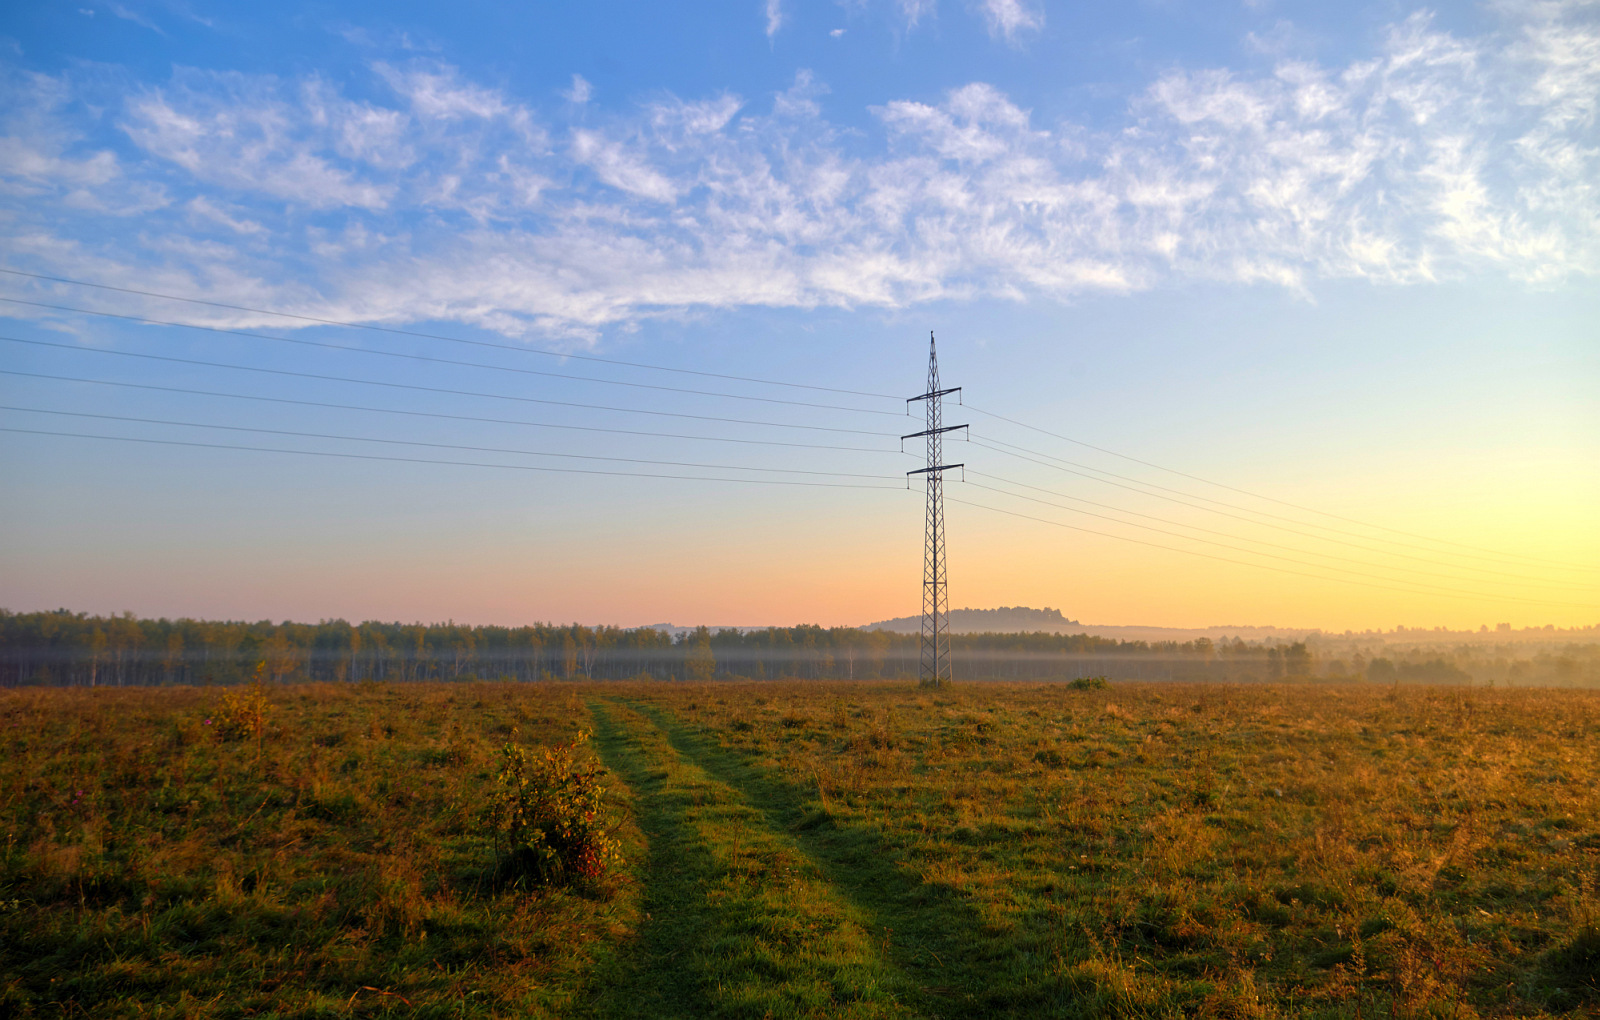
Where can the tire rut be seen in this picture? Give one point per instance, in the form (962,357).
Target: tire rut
(737,919)
(934,934)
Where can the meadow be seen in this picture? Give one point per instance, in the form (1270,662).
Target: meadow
(809,849)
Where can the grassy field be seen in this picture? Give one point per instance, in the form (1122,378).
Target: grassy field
(810,849)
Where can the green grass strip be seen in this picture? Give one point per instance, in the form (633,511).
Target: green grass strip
(958,965)
(738,922)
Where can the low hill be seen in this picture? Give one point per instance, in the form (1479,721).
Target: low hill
(1005,620)
(1024,620)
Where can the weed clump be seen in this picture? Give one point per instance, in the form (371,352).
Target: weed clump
(242,714)
(1090,683)
(1050,758)
(548,813)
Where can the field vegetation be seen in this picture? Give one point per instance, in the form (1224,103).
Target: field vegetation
(800,849)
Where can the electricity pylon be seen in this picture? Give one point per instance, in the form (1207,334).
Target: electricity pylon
(936,671)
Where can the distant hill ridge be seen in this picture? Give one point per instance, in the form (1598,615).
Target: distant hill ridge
(1005,620)
(1024,620)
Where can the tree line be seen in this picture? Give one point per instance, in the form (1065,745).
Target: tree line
(66,648)
(63,648)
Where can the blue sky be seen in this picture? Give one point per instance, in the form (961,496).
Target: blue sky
(1341,255)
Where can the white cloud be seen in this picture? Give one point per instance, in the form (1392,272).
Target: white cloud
(249,142)
(134,16)
(33,164)
(620,167)
(1007,19)
(913,11)
(43,157)
(580,92)
(974,124)
(205,209)
(690,118)
(439,92)
(1435,157)
(774,11)
(800,100)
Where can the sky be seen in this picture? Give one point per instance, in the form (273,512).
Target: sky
(1264,313)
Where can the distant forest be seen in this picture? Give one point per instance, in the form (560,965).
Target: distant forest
(65,648)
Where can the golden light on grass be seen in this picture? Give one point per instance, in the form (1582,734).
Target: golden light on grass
(802,849)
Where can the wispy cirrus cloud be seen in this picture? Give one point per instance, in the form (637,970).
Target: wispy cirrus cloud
(913,12)
(438,197)
(243,135)
(1009,19)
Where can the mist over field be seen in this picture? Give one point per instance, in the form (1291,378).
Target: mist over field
(70,649)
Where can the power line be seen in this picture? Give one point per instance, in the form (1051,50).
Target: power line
(439,446)
(1518,578)
(1436,589)
(1469,551)
(435,336)
(1492,554)
(449,463)
(436,389)
(442,415)
(1144,488)
(1149,517)
(1246,563)
(451,361)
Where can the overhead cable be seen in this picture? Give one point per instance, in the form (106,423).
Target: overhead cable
(1164,493)
(1246,563)
(435,389)
(438,446)
(448,463)
(448,417)
(1490,553)
(1518,578)
(435,336)
(452,361)
(1434,589)
(1224,534)
(1466,550)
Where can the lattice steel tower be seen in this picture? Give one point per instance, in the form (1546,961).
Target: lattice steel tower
(936,670)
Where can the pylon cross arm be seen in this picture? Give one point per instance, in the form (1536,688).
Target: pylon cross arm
(935,394)
(932,432)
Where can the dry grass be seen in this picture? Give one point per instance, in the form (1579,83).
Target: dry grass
(1222,850)
(342,867)
(812,849)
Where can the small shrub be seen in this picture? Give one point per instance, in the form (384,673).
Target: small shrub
(548,812)
(1090,683)
(242,713)
(1050,758)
